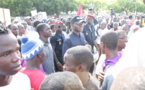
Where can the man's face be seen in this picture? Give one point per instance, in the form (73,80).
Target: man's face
(115,26)
(29,22)
(102,48)
(69,64)
(103,25)
(46,32)
(78,27)
(14,29)
(122,40)
(126,29)
(21,30)
(9,55)
(90,20)
(54,28)
(25,25)
(64,28)
(59,27)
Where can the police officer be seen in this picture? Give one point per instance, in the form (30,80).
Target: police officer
(57,40)
(89,31)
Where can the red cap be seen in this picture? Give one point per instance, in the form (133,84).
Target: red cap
(89,15)
(59,22)
(136,28)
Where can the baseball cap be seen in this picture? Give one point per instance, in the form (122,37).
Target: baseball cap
(76,19)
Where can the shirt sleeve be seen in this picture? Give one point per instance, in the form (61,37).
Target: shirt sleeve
(107,82)
(66,46)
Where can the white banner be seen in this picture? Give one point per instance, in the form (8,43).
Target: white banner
(5,16)
(34,13)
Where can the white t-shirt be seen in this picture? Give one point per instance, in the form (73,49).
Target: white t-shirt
(19,82)
(99,67)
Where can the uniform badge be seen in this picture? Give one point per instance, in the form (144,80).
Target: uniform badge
(59,42)
(86,33)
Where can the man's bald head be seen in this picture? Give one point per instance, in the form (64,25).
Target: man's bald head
(130,79)
(62,81)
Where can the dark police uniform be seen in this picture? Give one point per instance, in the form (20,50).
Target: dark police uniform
(90,35)
(57,42)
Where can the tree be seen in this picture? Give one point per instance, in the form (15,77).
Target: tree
(127,5)
(17,7)
(23,7)
(98,4)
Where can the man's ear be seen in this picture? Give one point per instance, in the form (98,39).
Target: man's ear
(81,68)
(104,46)
(71,25)
(39,55)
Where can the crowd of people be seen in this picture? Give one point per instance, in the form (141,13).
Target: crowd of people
(58,53)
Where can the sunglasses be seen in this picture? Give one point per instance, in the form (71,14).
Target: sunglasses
(59,26)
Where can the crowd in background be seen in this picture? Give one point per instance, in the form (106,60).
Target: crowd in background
(58,53)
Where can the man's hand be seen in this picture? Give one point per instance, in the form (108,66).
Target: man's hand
(59,66)
(100,76)
(89,47)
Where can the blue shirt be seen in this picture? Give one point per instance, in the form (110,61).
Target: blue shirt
(73,40)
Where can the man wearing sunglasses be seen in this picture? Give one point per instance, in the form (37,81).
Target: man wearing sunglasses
(89,31)
(76,37)
(57,40)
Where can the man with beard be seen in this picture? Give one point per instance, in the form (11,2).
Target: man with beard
(76,37)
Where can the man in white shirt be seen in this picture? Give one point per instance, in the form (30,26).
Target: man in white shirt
(10,64)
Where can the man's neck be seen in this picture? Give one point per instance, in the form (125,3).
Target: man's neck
(5,80)
(77,33)
(89,24)
(120,49)
(111,54)
(84,77)
(59,32)
(45,40)
(33,65)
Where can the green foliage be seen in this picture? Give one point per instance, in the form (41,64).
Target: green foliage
(17,7)
(140,6)
(23,7)
(98,4)
(127,5)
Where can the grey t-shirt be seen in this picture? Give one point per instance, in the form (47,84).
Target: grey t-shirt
(48,64)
